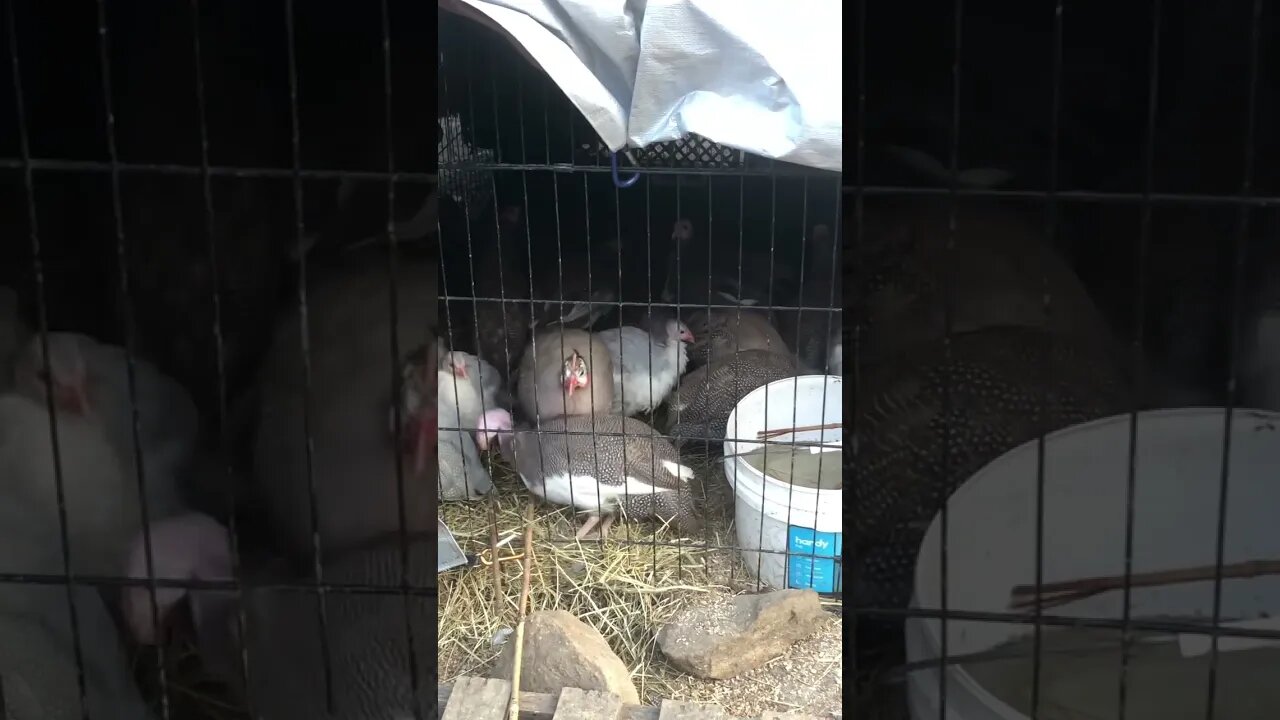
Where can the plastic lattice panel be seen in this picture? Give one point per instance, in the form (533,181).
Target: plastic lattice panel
(469,188)
(691,151)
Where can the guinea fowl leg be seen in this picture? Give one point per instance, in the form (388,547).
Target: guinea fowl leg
(587,526)
(605,525)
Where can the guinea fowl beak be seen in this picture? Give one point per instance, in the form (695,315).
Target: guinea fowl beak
(686,336)
(460,370)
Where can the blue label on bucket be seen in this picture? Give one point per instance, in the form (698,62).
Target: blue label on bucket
(806,567)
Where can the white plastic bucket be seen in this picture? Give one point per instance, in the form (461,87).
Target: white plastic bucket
(771,515)
(992,529)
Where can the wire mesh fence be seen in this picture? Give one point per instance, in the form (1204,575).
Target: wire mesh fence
(1017,423)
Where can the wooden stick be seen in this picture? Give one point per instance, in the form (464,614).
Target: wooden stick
(1060,593)
(764,434)
(513,709)
(497,561)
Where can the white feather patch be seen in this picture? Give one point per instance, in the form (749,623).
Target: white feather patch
(585,493)
(684,472)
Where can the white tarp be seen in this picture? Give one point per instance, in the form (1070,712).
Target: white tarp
(763,76)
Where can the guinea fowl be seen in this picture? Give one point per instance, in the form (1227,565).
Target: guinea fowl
(37,642)
(476,370)
(647,363)
(461,474)
(569,371)
(598,474)
(351,457)
(983,398)
(723,333)
(90,380)
(700,407)
(284,641)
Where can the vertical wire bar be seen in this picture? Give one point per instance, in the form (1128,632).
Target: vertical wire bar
(126,319)
(795,386)
(859,196)
(305,341)
(471,270)
(564,392)
(947,301)
(742,210)
(1139,352)
(37,261)
(653,460)
(591,363)
(666,282)
(219,351)
(1237,281)
(415,701)
(1045,415)
(836,570)
(533,334)
(764,456)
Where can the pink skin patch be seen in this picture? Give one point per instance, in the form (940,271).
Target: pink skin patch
(460,370)
(686,335)
(71,397)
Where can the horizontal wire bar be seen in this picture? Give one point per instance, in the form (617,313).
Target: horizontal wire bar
(1098,196)
(55,165)
(779,170)
(646,436)
(1098,623)
(214,585)
(89,166)
(631,303)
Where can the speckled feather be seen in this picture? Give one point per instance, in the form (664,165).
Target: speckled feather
(611,459)
(367,641)
(997,379)
(700,407)
(724,333)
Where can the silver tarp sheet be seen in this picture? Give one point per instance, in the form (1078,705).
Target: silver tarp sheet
(757,75)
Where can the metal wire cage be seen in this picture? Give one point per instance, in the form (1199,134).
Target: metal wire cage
(560,239)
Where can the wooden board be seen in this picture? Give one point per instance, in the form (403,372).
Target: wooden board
(578,704)
(478,699)
(685,710)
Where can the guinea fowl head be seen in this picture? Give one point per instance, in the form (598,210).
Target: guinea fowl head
(66,378)
(576,374)
(491,425)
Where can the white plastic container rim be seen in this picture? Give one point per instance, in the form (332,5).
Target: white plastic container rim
(1178,454)
(810,507)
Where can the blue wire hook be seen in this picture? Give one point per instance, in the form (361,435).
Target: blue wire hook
(617,181)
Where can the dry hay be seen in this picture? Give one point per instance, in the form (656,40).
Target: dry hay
(626,587)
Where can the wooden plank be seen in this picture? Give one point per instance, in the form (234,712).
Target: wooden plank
(686,710)
(788,715)
(478,699)
(578,704)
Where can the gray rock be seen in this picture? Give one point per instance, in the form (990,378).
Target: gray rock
(562,651)
(725,639)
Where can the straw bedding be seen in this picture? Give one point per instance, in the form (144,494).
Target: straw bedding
(626,587)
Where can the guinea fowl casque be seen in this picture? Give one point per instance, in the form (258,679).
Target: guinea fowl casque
(647,363)
(592,467)
(569,371)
